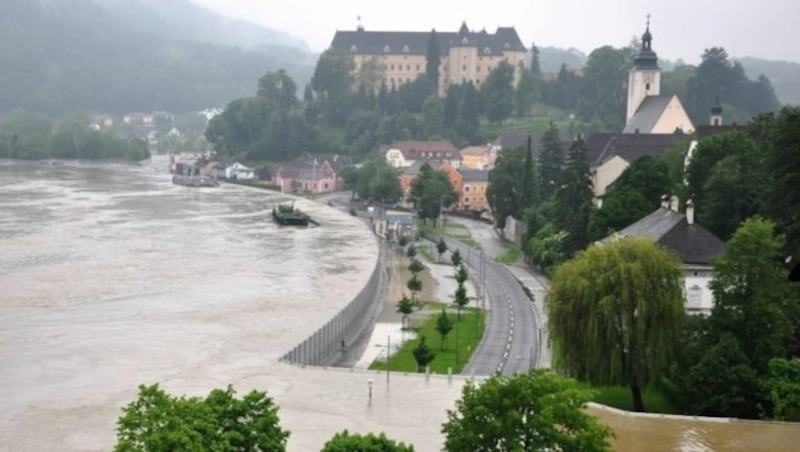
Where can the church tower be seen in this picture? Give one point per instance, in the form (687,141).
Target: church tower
(644,78)
(716,112)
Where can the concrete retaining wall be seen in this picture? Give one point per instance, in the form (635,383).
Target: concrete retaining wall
(320,347)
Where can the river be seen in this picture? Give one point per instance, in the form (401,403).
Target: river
(111,277)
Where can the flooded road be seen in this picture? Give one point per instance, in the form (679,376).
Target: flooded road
(111,277)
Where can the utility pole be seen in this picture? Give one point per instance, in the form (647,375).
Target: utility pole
(388,357)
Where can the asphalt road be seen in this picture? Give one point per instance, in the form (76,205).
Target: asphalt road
(511,339)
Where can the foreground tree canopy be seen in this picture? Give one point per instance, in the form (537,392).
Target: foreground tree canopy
(353,442)
(535,411)
(615,314)
(220,422)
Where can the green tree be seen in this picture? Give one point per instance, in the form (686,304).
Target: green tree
(423,354)
(460,299)
(354,442)
(432,61)
(604,96)
(503,192)
(414,284)
(723,383)
(278,89)
(443,326)
(716,75)
(615,312)
(405,307)
(411,252)
(461,274)
(535,66)
(527,92)
(573,198)
(332,75)
(753,298)
(546,247)
(469,110)
(433,117)
(452,101)
(221,421)
(377,180)
(551,161)
(524,412)
(441,247)
(783,385)
(498,92)
(783,166)
(636,193)
(456,258)
(528,183)
(430,192)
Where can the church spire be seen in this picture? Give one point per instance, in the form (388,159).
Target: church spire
(646,58)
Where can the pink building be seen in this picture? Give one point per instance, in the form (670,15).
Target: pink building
(307,176)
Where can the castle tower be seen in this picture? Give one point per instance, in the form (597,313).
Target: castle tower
(644,78)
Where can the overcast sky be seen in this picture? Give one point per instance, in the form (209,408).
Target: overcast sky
(681,28)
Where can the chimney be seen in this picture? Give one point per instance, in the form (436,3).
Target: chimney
(689,211)
(664,201)
(673,203)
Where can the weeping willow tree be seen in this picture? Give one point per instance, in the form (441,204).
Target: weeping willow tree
(615,312)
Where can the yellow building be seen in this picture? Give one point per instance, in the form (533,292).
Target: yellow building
(399,57)
(475,157)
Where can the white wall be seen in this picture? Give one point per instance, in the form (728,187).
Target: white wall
(698,295)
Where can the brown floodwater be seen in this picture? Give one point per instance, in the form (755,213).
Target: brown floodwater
(674,433)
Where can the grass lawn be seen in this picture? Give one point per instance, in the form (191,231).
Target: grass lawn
(620,397)
(470,331)
(510,256)
(529,124)
(425,252)
(465,239)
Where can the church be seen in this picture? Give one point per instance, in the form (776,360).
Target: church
(648,110)
(654,123)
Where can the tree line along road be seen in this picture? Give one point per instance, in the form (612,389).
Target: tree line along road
(511,341)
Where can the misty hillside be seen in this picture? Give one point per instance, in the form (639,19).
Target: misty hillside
(133,55)
(551,58)
(182,19)
(784,75)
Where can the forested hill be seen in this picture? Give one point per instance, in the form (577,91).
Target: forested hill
(134,55)
(785,76)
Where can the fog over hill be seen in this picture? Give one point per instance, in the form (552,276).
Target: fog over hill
(127,55)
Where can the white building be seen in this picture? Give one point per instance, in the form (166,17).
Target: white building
(693,244)
(239,172)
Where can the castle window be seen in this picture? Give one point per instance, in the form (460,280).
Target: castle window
(386,49)
(405,49)
(478,69)
(464,67)
(486,50)
(408,67)
(506,45)
(353,48)
(418,67)
(391,67)
(647,87)
(465,40)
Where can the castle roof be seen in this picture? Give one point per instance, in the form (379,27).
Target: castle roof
(416,42)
